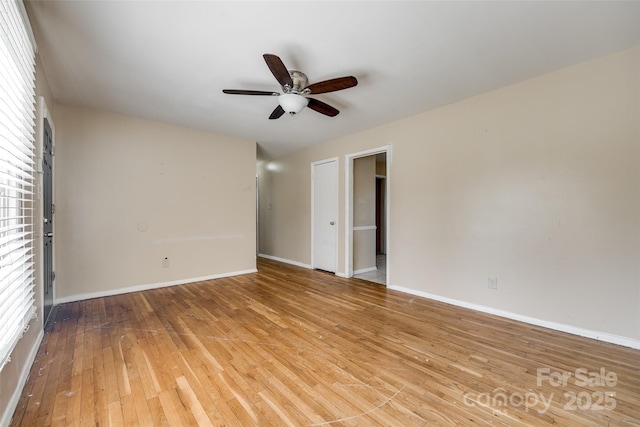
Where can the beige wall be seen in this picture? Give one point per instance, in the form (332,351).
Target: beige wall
(130,192)
(364,213)
(285,218)
(381,165)
(537,184)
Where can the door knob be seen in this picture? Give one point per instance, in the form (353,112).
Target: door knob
(332,222)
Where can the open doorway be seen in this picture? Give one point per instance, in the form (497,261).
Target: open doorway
(367,231)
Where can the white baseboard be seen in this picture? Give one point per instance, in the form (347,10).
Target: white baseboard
(22,381)
(587,333)
(137,288)
(296,263)
(365,270)
(286,261)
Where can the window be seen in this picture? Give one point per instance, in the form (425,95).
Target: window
(17,96)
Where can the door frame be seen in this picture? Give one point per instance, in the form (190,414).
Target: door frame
(348,240)
(335,160)
(42,113)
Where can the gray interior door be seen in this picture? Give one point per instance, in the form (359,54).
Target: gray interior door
(48,208)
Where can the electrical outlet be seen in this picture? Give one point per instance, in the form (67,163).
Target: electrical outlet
(165,262)
(493,283)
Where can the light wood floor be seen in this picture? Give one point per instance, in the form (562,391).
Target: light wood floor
(289,346)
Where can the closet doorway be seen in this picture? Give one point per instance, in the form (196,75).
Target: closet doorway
(367,231)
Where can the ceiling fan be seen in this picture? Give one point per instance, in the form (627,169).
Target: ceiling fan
(295,86)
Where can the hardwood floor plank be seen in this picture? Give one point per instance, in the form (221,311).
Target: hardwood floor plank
(74,401)
(100,403)
(87,399)
(157,413)
(174,409)
(193,403)
(140,403)
(286,418)
(295,347)
(129,412)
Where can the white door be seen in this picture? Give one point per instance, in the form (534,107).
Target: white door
(324,214)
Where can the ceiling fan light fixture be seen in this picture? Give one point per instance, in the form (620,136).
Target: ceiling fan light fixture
(295,85)
(292,103)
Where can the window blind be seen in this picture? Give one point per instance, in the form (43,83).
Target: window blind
(17,120)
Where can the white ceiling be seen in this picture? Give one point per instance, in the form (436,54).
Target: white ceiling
(170,60)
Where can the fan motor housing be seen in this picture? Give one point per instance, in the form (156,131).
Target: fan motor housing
(300,81)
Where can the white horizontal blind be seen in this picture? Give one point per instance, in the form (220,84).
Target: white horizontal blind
(17,119)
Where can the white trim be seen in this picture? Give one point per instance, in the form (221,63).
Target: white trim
(335,160)
(574,330)
(257,214)
(348,194)
(364,227)
(12,402)
(296,263)
(365,270)
(286,261)
(138,288)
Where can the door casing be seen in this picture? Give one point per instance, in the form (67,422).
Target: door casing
(44,267)
(349,158)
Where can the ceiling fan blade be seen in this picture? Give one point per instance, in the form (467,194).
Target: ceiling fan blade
(249,92)
(278,69)
(322,108)
(277,113)
(333,85)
